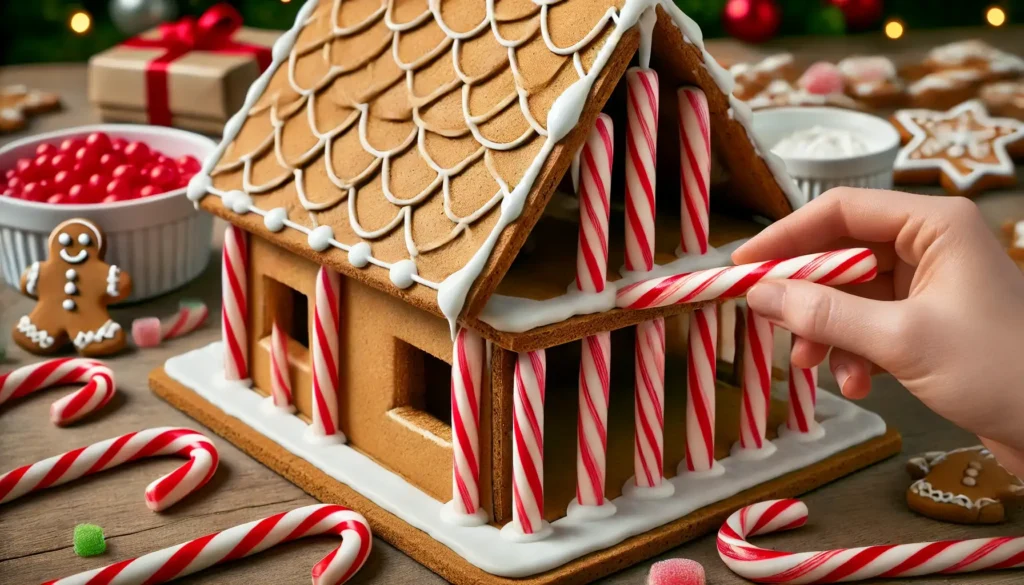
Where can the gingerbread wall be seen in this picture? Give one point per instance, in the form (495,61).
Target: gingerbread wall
(394,368)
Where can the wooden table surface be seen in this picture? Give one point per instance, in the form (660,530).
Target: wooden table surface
(35,532)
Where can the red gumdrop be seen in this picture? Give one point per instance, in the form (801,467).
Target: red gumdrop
(109,161)
(70,145)
(163,176)
(46,148)
(149,191)
(822,78)
(57,199)
(137,152)
(98,141)
(24,167)
(87,157)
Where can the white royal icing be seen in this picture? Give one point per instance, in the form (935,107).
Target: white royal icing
(70,288)
(847,425)
(952,138)
(32,278)
(562,117)
(37,336)
(819,142)
(941,80)
(1018,234)
(69,305)
(960,52)
(106,331)
(113,278)
(274,219)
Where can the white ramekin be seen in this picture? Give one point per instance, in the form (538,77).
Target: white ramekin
(814,176)
(162,241)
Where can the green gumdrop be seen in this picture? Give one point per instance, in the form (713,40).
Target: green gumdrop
(89,540)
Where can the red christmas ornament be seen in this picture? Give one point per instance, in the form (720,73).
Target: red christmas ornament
(754,21)
(860,14)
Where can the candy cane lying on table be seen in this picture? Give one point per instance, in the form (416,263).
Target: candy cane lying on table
(160,494)
(98,390)
(850,266)
(888,561)
(242,541)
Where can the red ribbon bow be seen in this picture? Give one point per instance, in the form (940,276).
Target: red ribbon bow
(211,32)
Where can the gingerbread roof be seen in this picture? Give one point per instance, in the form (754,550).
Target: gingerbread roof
(413,144)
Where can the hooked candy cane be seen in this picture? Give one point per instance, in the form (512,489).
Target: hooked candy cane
(888,561)
(161,494)
(244,540)
(849,266)
(98,390)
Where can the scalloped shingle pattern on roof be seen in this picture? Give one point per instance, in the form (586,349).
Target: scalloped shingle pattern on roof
(405,123)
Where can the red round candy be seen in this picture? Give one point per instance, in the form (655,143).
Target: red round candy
(78,193)
(137,152)
(24,167)
(41,164)
(125,172)
(33,192)
(62,162)
(109,161)
(119,188)
(98,141)
(62,180)
(118,144)
(163,176)
(87,157)
(70,145)
(96,183)
(149,191)
(57,199)
(46,148)
(188,164)
(15,183)
(9,173)
(79,170)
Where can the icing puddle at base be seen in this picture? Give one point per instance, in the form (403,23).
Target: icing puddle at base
(845,425)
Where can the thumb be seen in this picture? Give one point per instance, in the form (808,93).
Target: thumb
(828,316)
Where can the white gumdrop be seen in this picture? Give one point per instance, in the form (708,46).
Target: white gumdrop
(320,238)
(402,273)
(274,219)
(359,255)
(198,187)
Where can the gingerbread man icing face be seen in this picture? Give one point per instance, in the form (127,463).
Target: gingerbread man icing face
(964,485)
(73,287)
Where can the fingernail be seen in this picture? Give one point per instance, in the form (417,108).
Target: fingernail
(842,374)
(767,299)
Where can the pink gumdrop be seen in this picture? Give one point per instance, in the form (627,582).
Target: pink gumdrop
(822,78)
(676,572)
(146,332)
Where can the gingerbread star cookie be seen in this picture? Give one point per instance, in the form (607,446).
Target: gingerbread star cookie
(1004,98)
(963,149)
(73,287)
(18,103)
(967,486)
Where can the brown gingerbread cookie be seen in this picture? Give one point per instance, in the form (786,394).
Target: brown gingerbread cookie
(18,103)
(74,286)
(1004,98)
(781,93)
(967,486)
(963,149)
(1013,238)
(873,80)
(753,78)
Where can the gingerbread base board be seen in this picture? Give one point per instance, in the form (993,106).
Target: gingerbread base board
(442,560)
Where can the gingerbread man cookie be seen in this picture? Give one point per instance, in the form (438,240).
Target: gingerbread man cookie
(967,486)
(18,102)
(964,149)
(73,287)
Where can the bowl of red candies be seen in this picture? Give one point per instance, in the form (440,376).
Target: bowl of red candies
(128,179)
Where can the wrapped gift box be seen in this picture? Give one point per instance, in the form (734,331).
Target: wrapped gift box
(190,74)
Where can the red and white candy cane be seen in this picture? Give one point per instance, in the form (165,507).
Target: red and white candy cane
(803,395)
(234,316)
(641,157)
(244,540)
(695,169)
(849,266)
(649,408)
(528,446)
(326,323)
(98,390)
(595,183)
(467,375)
(161,494)
(280,375)
(758,346)
(850,564)
(592,424)
(701,363)
(151,331)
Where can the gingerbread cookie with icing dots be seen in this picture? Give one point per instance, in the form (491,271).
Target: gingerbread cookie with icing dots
(966,486)
(752,79)
(73,287)
(18,103)
(963,149)
(1004,98)
(872,80)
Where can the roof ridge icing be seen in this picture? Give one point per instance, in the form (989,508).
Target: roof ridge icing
(562,116)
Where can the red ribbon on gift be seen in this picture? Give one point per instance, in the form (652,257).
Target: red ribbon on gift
(211,32)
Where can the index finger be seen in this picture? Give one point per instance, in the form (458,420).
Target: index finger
(868,215)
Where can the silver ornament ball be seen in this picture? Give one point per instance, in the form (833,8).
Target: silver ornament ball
(132,17)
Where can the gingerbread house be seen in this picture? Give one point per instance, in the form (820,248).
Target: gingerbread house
(436,208)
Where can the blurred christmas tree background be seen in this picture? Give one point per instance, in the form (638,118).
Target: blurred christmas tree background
(42,30)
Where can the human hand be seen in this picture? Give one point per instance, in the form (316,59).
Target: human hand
(944,316)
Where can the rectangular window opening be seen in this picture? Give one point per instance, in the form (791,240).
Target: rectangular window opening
(290,309)
(423,393)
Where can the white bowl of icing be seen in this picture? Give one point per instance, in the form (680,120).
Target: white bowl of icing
(163,241)
(830,147)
